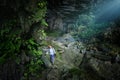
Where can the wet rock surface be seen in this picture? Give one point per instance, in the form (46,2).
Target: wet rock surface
(77,61)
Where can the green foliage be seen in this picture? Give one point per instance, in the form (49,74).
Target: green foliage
(43,23)
(39,13)
(31,46)
(10,42)
(42,4)
(86,27)
(12,36)
(41,34)
(85,20)
(36,12)
(10,49)
(33,68)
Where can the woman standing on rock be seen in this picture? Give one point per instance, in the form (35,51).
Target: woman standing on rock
(52,54)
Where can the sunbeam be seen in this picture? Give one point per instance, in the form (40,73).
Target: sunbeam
(108,11)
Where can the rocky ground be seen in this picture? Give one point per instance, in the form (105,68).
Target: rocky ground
(76,61)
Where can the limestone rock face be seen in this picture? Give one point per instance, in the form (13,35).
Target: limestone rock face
(55,21)
(77,62)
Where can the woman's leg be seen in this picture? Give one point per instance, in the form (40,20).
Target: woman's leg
(52,59)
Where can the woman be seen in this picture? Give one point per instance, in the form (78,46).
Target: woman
(52,54)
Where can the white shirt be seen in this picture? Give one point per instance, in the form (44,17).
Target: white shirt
(52,51)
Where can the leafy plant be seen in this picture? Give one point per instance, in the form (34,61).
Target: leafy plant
(10,42)
(13,32)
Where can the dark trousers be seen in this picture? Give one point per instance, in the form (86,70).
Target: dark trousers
(52,59)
